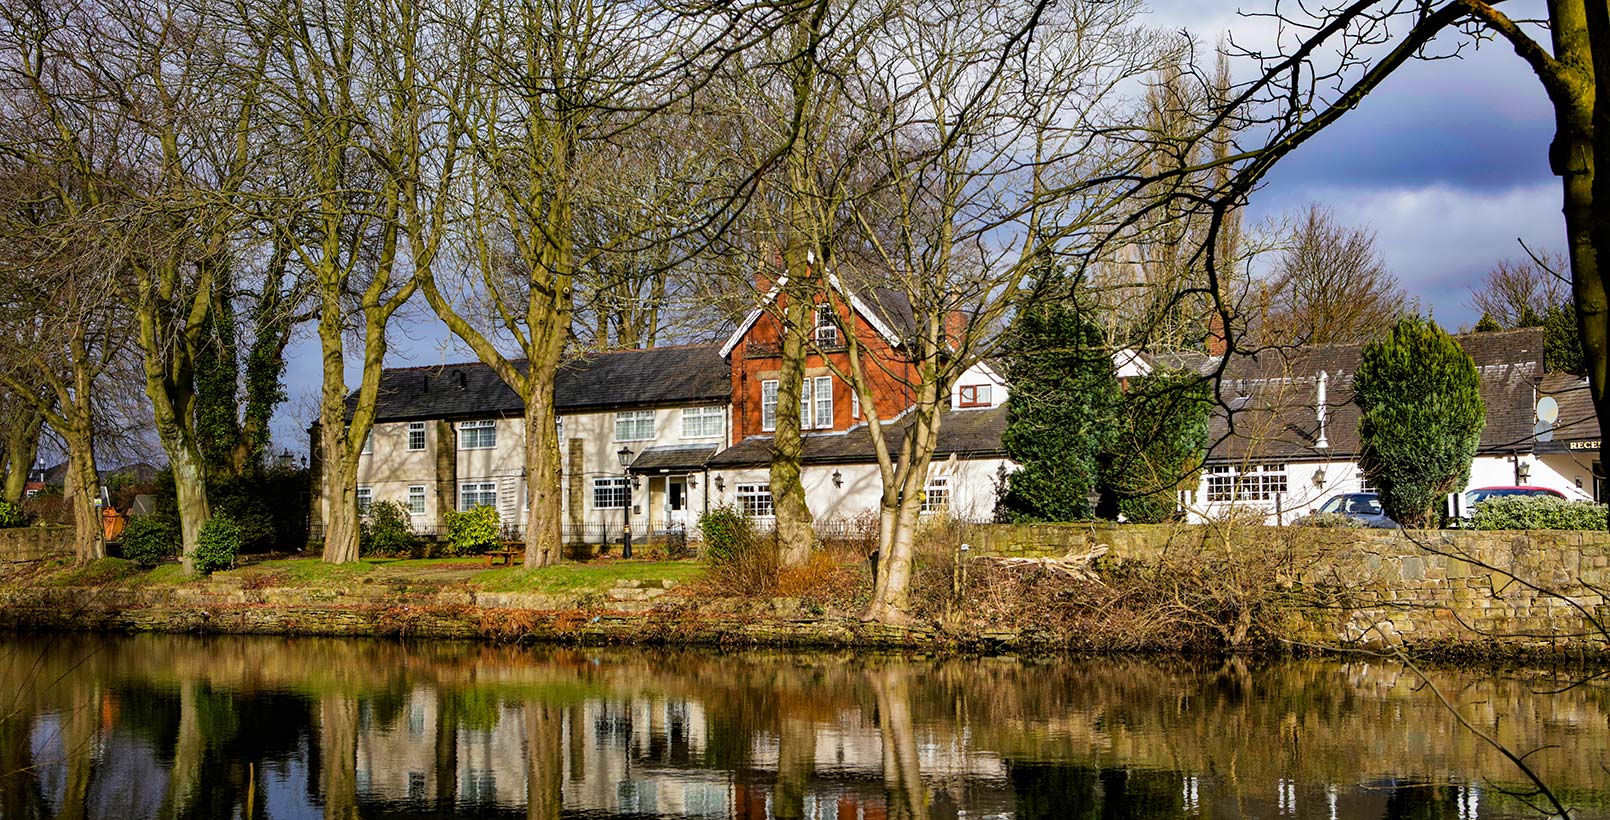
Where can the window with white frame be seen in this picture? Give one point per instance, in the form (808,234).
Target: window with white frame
(754,500)
(369,441)
(366,499)
(824,402)
(416,436)
(478,435)
(559,430)
(855,403)
(610,493)
(701,422)
(634,425)
(477,494)
(416,499)
(1364,485)
(974,395)
(1250,482)
(827,326)
(936,495)
(768,405)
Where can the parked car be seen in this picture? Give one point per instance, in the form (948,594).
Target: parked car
(1364,507)
(1480,494)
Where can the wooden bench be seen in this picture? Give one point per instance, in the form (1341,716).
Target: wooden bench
(507,555)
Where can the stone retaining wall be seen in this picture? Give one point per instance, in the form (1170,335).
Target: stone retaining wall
(1539,588)
(35,543)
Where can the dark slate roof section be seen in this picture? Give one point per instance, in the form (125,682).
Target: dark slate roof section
(656,377)
(893,307)
(1577,421)
(672,459)
(963,433)
(1269,399)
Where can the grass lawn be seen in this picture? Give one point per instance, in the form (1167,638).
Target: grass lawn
(569,576)
(311,573)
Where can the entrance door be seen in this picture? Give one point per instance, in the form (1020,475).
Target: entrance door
(676,502)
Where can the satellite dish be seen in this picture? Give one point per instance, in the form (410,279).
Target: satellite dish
(1543,431)
(1548,409)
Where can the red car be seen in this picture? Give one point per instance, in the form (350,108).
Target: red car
(1480,494)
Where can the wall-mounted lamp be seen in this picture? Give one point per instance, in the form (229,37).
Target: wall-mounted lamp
(636,482)
(838,479)
(720,485)
(1523,472)
(1319,477)
(693,482)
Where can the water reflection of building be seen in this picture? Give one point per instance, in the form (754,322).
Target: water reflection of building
(648,756)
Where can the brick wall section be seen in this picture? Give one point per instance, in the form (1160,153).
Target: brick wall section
(1422,588)
(35,543)
(755,360)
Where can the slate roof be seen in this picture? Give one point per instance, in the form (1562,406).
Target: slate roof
(1268,400)
(661,376)
(964,433)
(1577,421)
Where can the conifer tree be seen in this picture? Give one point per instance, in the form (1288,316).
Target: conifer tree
(1420,396)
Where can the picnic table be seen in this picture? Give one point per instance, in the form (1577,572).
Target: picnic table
(508,554)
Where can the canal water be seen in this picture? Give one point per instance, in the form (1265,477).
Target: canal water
(225,727)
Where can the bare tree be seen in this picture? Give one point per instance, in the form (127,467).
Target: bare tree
(1520,292)
(981,133)
(1330,286)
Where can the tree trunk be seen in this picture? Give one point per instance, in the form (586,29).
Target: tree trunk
(78,749)
(902,770)
(83,485)
(544,495)
(796,762)
(795,529)
(184,778)
(190,485)
(340,500)
(22,446)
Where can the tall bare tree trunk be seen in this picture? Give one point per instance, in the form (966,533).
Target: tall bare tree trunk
(21,447)
(82,486)
(338,755)
(544,495)
(795,529)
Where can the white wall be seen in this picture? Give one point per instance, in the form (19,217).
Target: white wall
(1304,495)
(972,487)
(600,459)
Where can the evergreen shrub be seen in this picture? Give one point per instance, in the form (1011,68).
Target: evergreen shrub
(1538,512)
(217,544)
(473,531)
(1422,417)
(389,530)
(149,540)
(12,515)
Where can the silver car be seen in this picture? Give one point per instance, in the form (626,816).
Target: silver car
(1363,507)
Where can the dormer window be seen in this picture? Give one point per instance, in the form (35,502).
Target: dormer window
(974,395)
(827,326)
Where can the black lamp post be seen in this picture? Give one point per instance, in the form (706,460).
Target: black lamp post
(625,454)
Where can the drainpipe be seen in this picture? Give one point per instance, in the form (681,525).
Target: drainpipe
(1321,443)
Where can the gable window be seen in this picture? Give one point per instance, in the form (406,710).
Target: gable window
(701,422)
(634,425)
(477,494)
(768,405)
(827,326)
(936,495)
(1251,482)
(366,499)
(975,395)
(609,493)
(416,436)
(754,500)
(416,499)
(478,435)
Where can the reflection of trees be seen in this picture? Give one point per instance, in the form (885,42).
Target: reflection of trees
(338,756)
(544,749)
(902,772)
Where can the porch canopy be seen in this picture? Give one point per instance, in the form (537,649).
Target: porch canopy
(672,459)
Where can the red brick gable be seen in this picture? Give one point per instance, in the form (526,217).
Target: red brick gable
(756,357)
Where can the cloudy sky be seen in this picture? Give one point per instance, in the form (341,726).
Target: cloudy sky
(1446,164)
